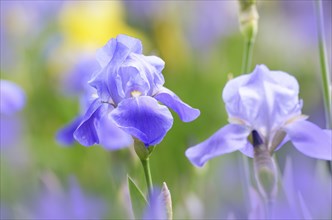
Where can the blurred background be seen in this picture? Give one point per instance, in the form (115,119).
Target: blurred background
(42,46)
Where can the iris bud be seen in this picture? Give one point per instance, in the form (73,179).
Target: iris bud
(166,196)
(248,18)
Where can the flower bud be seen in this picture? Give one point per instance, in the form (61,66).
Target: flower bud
(141,150)
(248,18)
(264,167)
(166,196)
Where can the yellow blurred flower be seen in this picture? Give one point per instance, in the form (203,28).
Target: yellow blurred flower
(87,26)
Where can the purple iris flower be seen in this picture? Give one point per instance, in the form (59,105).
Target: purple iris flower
(129,88)
(266,102)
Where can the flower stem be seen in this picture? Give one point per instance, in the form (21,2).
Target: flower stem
(147,173)
(324,64)
(247,56)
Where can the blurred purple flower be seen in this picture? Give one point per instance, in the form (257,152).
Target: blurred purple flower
(156,209)
(129,86)
(73,204)
(12,100)
(265,101)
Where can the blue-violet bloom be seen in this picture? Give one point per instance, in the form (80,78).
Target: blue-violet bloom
(265,101)
(129,88)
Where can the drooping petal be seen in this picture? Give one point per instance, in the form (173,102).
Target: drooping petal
(227,139)
(144,118)
(66,134)
(311,140)
(185,112)
(248,150)
(12,97)
(86,133)
(110,136)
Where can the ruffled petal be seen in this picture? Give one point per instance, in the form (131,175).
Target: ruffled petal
(12,97)
(110,57)
(144,118)
(105,54)
(228,139)
(185,112)
(65,135)
(311,140)
(86,133)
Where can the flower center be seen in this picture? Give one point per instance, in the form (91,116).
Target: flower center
(135,93)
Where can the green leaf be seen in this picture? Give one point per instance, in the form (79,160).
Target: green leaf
(138,200)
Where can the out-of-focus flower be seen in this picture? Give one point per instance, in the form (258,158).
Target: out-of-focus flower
(22,22)
(156,208)
(129,86)
(12,100)
(72,204)
(266,102)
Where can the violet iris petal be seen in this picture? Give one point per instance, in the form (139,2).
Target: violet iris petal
(144,118)
(66,135)
(86,133)
(228,139)
(185,112)
(112,137)
(12,97)
(311,140)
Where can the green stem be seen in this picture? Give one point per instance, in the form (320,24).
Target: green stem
(247,56)
(324,64)
(246,63)
(147,173)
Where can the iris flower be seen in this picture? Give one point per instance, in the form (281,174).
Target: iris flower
(129,87)
(267,102)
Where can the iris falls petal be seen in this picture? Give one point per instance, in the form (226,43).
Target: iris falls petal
(185,112)
(144,118)
(311,140)
(226,140)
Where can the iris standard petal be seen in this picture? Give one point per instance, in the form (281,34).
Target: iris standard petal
(66,134)
(12,97)
(105,54)
(86,133)
(185,112)
(144,118)
(311,140)
(228,139)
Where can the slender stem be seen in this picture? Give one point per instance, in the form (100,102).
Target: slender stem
(324,64)
(247,56)
(147,173)
(246,63)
